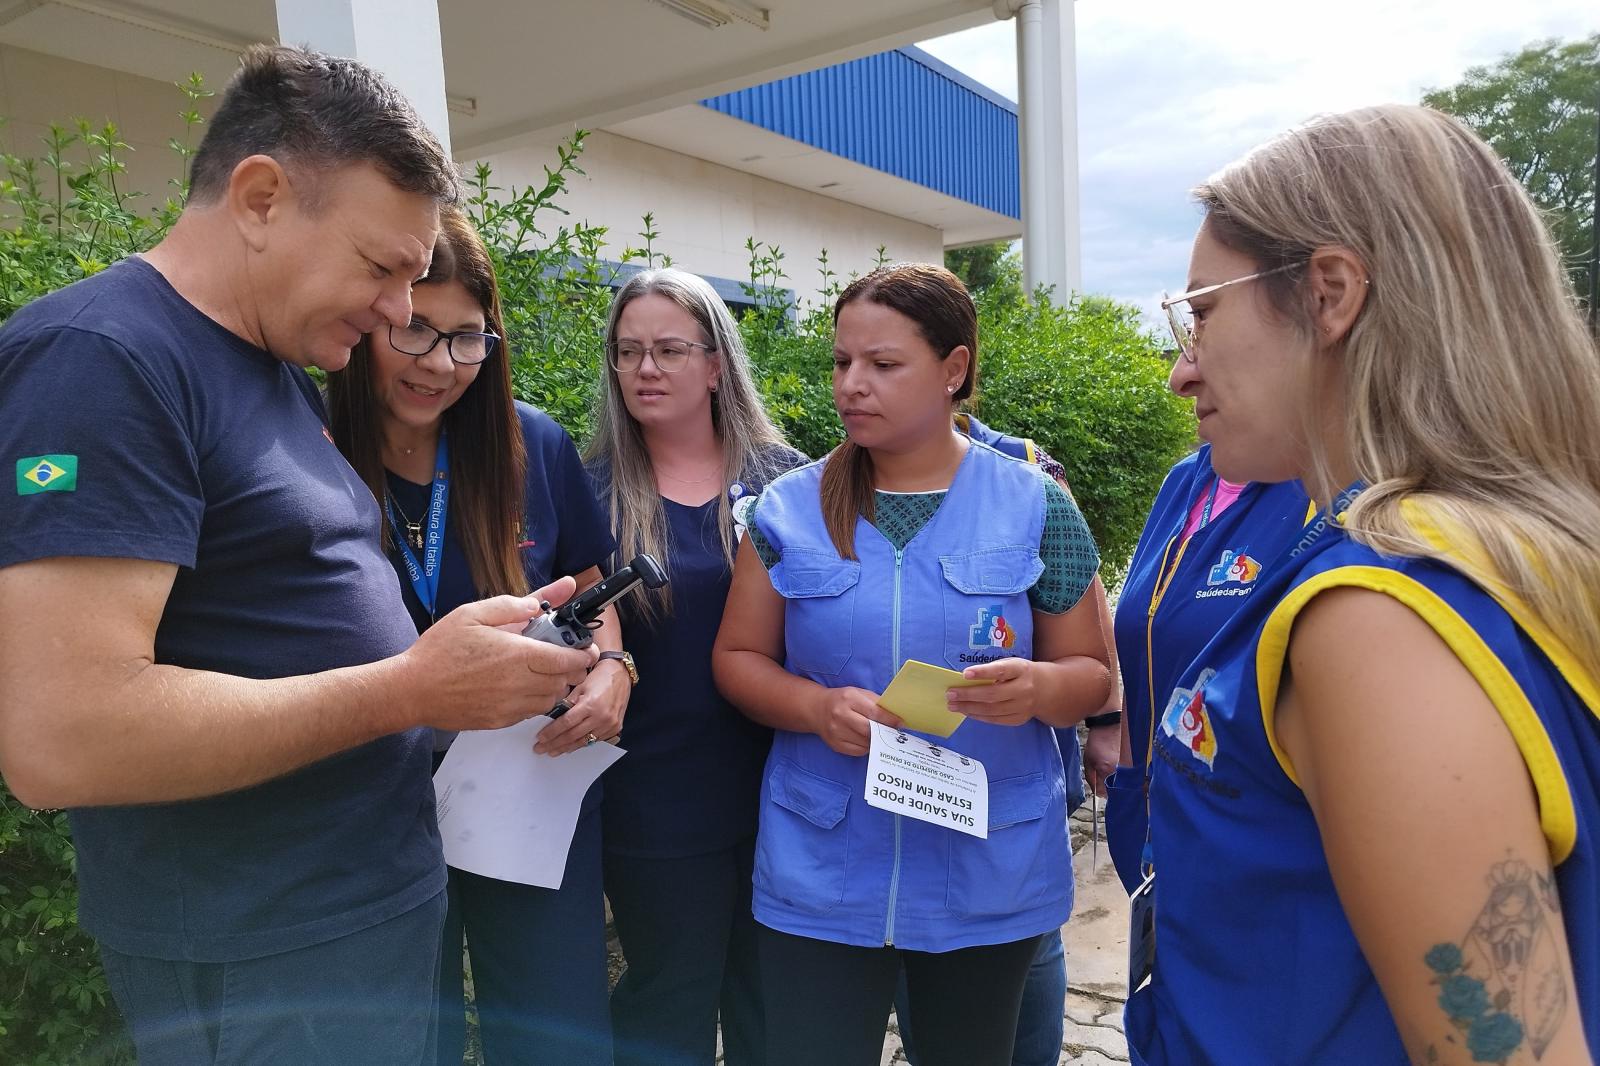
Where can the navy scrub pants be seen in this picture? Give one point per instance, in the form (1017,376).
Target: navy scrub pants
(689,939)
(538,964)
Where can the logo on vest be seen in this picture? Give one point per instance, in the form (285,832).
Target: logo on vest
(1234,575)
(1187,722)
(989,632)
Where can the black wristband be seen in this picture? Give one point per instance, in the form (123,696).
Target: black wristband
(1095,721)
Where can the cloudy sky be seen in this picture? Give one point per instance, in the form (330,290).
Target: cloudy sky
(1168,92)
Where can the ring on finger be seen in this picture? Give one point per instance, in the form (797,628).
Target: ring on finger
(589,738)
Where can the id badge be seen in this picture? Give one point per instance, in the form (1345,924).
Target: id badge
(1141,934)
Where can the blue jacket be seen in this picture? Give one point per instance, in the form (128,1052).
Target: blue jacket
(1175,598)
(1255,960)
(830,867)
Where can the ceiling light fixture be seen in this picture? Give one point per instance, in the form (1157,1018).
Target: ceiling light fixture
(713,15)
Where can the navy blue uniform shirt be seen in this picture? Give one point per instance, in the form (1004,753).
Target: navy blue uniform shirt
(190,446)
(564,529)
(691,781)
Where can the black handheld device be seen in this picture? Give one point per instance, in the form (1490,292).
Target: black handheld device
(572,624)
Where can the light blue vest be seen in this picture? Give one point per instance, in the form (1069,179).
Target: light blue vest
(830,867)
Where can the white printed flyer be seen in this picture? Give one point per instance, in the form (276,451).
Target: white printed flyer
(929,782)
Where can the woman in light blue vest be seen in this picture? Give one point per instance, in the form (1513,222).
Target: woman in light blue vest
(1375,794)
(909,541)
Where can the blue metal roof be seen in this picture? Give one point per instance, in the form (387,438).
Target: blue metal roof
(904,113)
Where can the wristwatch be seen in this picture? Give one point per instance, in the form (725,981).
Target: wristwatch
(1095,721)
(627,663)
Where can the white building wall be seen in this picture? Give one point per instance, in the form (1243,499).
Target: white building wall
(37,90)
(703,211)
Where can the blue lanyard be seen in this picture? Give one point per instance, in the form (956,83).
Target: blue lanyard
(1211,499)
(425,578)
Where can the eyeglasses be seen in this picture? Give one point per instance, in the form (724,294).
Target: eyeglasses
(465,348)
(1184,329)
(670,354)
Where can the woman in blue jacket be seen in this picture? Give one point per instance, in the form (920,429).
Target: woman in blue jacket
(909,541)
(1373,797)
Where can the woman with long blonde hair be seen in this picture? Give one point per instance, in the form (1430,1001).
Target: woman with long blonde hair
(681,438)
(1374,794)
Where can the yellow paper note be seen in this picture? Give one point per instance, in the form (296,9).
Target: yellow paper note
(916,696)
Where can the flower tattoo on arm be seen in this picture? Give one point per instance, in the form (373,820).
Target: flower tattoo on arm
(1502,986)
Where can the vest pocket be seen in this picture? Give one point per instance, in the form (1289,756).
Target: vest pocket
(801,851)
(819,592)
(1009,872)
(980,593)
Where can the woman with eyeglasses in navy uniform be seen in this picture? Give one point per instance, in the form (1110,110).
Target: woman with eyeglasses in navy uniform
(681,439)
(484,495)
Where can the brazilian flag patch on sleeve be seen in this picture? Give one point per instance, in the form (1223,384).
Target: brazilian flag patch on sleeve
(47,473)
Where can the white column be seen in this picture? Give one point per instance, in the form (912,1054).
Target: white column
(1032,151)
(1048,111)
(398,37)
(1063,249)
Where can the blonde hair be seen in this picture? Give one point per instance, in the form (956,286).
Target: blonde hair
(1471,387)
(749,438)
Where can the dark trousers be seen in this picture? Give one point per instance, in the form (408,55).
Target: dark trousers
(365,998)
(835,1003)
(1040,1022)
(689,941)
(538,965)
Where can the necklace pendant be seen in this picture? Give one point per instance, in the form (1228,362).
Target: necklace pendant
(414,534)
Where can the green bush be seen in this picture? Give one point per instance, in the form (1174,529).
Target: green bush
(63,216)
(1083,380)
(1090,385)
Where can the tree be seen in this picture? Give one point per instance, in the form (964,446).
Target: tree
(977,265)
(1537,108)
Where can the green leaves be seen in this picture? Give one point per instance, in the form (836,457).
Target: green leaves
(1088,384)
(55,1006)
(1536,108)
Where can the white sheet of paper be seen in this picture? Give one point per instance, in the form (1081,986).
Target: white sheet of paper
(507,813)
(929,782)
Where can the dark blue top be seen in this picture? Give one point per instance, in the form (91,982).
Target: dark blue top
(567,530)
(566,527)
(1256,960)
(691,780)
(195,448)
